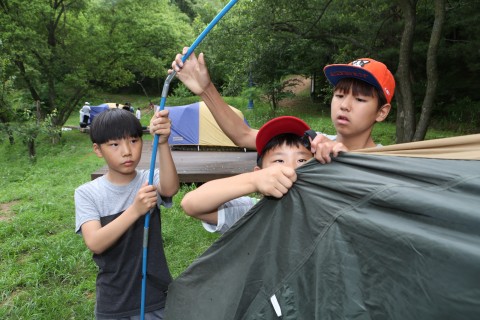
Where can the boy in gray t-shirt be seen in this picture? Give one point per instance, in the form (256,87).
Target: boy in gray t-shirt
(110,213)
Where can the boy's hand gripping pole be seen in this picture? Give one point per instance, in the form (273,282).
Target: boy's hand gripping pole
(155,146)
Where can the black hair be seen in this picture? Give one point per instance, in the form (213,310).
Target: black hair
(289,139)
(360,87)
(115,124)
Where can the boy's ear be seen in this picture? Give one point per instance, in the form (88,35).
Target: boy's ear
(383,112)
(256,168)
(97,150)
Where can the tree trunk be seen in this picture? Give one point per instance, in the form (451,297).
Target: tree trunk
(31,149)
(432,71)
(404,94)
(31,87)
(11,138)
(274,100)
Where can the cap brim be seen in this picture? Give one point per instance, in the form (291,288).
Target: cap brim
(337,72)
(277,126)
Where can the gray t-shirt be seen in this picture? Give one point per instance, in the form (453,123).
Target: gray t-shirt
(118,284)
(229,213)
(100,198)
(331,137)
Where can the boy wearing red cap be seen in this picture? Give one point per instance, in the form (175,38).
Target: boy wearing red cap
(281,148)
(363,90)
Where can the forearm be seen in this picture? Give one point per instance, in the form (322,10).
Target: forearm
(230,123)
(211,195)
(169,183)
(98,238)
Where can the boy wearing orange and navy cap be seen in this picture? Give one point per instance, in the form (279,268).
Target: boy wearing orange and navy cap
(363,91)
(281,148)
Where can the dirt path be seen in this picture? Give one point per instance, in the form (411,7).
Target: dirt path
(302,87)
(5,212)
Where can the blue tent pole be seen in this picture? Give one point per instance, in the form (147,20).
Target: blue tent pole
(155,146)
(250,85)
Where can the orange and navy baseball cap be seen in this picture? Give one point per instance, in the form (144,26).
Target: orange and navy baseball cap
(365,69)
(277,126)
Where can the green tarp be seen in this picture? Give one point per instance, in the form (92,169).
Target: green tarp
(364,237)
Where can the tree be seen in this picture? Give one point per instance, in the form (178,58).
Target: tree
(60,51)
(270,38)
(6,91)
(404,94)
(35,37)
(407,127)
(186,6)
(64,49)
(432,71)
(32,126)
(138,39)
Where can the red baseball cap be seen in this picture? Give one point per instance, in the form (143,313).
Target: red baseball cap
(277,126)
(365,69)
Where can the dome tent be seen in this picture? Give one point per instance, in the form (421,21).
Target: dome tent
(194,125)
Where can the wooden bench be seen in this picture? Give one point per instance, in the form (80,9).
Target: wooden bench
(199,166)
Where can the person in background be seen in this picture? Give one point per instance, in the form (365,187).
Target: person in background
(138,114)
(85,115)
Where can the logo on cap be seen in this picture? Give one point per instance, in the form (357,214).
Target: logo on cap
(360,63)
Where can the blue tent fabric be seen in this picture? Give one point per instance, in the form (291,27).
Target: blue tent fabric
(95,110)
(364,237)
(185,124)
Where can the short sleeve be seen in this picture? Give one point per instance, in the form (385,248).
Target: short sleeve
(229,213)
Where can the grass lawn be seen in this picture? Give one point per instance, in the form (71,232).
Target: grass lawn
(46,272)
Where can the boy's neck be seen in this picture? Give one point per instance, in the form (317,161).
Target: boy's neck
(119,178)
(356,143)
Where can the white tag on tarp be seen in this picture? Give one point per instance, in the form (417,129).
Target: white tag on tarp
(276,306)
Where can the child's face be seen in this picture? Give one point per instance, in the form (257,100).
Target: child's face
(354,115)
(291,156)
(122,155)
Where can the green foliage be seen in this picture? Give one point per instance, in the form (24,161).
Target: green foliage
(253,93)
(6,88)
(59,55)
(458,58)
(462,115)
(181,91)
(186,6)
(28,126)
